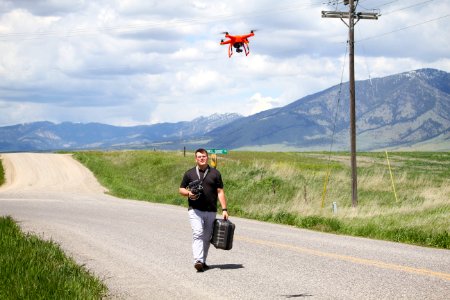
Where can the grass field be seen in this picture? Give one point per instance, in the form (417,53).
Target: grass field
(288,188)
(2,174)
(34,269)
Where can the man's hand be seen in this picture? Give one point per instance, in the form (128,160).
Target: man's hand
(225,215)
(192,196)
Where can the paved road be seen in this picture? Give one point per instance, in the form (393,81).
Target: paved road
(142,250)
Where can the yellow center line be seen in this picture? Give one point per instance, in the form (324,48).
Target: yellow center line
(357,260)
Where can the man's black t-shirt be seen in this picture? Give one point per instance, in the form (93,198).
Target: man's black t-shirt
(208,198)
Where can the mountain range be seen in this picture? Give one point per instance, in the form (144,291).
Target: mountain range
(410,110)
(48,136)
(406,111)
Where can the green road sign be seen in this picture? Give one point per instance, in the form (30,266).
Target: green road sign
(217,151)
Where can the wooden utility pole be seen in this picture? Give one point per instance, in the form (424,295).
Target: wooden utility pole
(353,18)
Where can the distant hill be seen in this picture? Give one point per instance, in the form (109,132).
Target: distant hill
(407,111)
(45,136)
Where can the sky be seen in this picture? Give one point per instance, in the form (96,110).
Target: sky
(141,62)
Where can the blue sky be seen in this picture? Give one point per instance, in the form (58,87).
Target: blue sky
(142,62)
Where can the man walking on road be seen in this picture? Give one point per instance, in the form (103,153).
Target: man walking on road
(203,186)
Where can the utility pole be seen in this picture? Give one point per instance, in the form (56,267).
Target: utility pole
(353,18)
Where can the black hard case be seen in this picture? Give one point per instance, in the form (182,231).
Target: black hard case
(223,233)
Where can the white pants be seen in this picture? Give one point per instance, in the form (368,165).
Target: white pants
(202,223)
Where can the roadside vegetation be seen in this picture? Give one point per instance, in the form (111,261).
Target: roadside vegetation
(294,189)
(34,269)
(2,174)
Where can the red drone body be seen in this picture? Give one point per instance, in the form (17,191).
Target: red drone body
(237,41)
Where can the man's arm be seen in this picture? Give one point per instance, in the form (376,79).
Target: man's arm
(184,192)
(223,202)
(183,186)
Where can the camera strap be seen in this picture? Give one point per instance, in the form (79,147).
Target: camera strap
(198,173)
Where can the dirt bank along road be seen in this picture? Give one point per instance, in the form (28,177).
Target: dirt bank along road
(143,250)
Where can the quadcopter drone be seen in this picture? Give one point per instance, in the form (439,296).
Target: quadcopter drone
(238,42)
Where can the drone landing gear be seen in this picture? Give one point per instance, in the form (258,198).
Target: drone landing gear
(246,49)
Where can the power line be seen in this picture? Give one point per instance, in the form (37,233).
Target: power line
(408,7)
(327,175)
(164,24)
(397,30)
(387,3)
(380,5)
(403,28)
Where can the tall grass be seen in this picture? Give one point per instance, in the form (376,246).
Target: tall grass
(289,188)
(2,174)
(34,269)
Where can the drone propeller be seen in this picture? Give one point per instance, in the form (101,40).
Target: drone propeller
(225,32)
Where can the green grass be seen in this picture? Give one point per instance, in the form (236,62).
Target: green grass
(288,188)
(2,174)
(34,269)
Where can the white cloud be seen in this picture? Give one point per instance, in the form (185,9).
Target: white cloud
(195,81)
(22,112)
(189,53)
(140,62)
(259,103)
